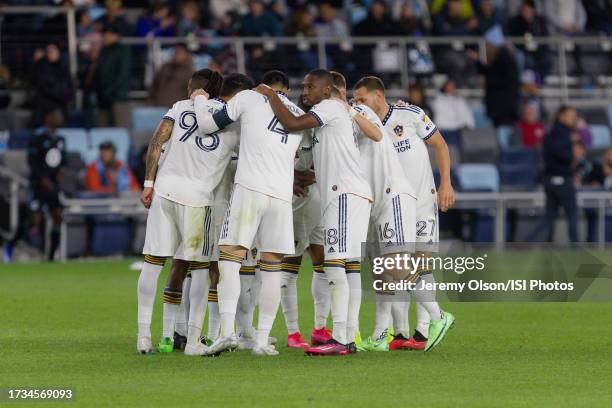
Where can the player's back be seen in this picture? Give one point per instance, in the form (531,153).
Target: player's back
(193,163)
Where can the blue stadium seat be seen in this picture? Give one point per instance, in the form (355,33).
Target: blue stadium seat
(18,139)
(478,177)
(452,137)
(147,117)
(504,136)
(201,61)
(110,235)
(519,155)
(119,136)
(610,115)
(480,117)
(518,177)
(601,136)
(77,141)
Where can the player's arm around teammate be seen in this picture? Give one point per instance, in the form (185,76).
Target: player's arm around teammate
(162,135)
(446,194)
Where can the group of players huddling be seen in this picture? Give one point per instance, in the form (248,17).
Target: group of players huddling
(241,182)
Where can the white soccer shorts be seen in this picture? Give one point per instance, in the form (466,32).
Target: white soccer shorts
(254,218)
(345,226)
(427,228)
(179,231)
(307,228)
(395,224)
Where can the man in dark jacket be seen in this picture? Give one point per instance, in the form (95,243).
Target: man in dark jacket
(111,77)
(558,172)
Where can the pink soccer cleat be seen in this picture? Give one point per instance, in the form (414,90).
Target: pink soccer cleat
(294,340)
(331,348)
(320,336)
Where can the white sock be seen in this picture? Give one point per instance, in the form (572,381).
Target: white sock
(147,287)
(244,316)
(214,320)
(172,302)
(183,313)
(383,315)
(198,300)
(289,300)
(321,297)
(399,311)
(427,300)
(354,283)
(228,290)
(422,315)
(339,291)
(269,299)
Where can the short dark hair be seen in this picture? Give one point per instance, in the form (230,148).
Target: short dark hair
(275,77)
(338,79)
(234,83)
(208,80)
(562,110)
(322,74)
(371,83)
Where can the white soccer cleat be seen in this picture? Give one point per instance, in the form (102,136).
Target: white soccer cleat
(144,345)
(226,343)
(267,350)
(197,349)
(272,340)
(245,342)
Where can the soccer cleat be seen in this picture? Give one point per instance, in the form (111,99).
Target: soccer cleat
(166,345)
(206,341)
(294,340)
(352,348)
(245,342)
(398,343)
(414,344)
(358,340)
(144,345)
(197,349)
(438,329)
(267,350)
(320,336)
(376,345)
(222,344)
(390,335)
(179,341)
(330,348)
(272,340)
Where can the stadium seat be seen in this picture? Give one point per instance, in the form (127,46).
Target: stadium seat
(16,160)
(110,235)
(478,177)
(519,155)
(147,117)
(594,116)
(610,115)
(18,139)
(480,117)
(201,61)
(77,141)
(508,136)
(517,177)
(452,137)
(119,136)
(601,136)
(479,145)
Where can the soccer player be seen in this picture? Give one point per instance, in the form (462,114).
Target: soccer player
(259,209)
(393,216)
(178,199)
(412,129)
(345,194)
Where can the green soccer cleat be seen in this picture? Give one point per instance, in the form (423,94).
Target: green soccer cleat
(166,345)
(376,345)
(390,335)
(358,340)
(438,329)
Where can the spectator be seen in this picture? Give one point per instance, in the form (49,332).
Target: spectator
(464,8)
(599,15)
(558,172)
(412,17)
(51,84)
(582,165)
(565,16)
(259,22)
(228,25)
(529,22)
(5,80)
(531,127)
(109,175)
(170,82)
(416,96)
(601,173)
(189,23)
(114,18)
(451,111)
(301,24)
(221,8)
(328,24)
(502,84)
(583,131)
(158,23)
(46,156)
(111,77)
(378,22)
(452,20)
(488,16)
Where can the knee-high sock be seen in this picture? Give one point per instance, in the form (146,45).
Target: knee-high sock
(353,277)
(269,299)
(229,291)
(422,315)
(399,311)
(214,320)
(147,288)
(244,317)
(183,314)
(321,296)
(427,300)
(339,291)
(384,302)
(255,290)
(289,300)
(172,300)
(198,294)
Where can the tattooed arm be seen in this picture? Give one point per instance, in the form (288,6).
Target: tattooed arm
(162,135)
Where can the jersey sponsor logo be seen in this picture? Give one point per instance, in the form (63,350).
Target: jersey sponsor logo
(398,130)
(402,145)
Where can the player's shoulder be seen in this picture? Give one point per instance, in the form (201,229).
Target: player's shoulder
(408,110)
(296,110)
(367,111)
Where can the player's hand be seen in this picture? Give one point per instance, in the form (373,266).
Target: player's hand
(446,197)
(263,89)
(401,102)
(199,92)
(146,197)
(305,178)
(299,190)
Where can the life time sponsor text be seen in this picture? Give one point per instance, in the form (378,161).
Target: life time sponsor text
(459,265)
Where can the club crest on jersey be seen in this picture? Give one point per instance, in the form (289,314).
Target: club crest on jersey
(398,130)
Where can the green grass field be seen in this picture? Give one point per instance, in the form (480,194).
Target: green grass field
(73,325)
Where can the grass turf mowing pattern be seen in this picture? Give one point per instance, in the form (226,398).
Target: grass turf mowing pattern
(74,325)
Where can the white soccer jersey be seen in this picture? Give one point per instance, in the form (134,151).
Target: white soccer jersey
(336,155)
(267,150)
(409,128)
(193,162)
(380,163)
